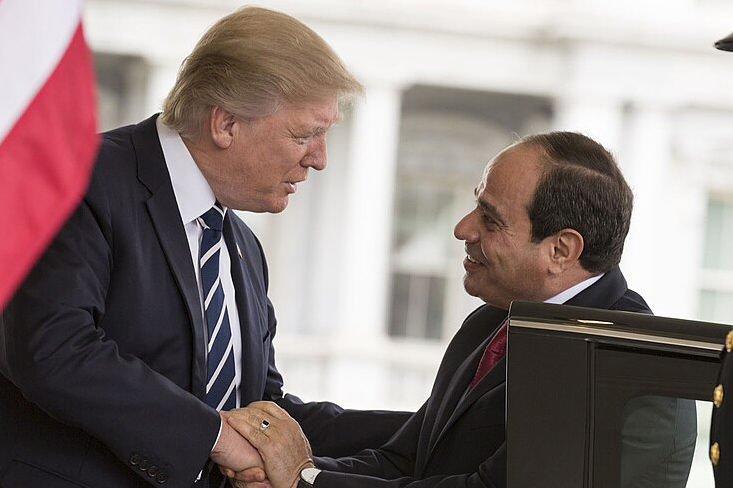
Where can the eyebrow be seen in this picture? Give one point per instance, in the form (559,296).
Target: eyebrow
(323,128)
(489,208)
(309,132)
(313,131)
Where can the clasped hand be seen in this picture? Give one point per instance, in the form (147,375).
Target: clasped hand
(264,436)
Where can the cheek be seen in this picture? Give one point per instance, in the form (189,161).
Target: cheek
(294,150)
(288,159)
(533,265)
(496,247)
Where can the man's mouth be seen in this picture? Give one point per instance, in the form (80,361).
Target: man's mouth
(471,260)
(293,185)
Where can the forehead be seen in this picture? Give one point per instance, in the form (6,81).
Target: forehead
(511,177)
(319,113)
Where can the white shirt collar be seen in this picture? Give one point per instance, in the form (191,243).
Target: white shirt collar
(193,193)
(566,295)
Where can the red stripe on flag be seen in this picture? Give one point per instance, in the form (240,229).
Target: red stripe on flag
(45,163)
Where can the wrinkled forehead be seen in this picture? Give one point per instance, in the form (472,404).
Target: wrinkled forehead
(323,110)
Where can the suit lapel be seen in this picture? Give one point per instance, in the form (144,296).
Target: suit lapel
(454,393)
(165,216)
(455,401)
(491,380)
(252,316)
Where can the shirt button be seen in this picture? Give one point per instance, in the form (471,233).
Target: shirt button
(135,459)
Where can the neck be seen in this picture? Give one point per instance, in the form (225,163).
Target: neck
(201,152)
(556,287)
(194,147)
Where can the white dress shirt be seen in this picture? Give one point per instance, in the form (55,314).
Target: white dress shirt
(194,198)
(566,295)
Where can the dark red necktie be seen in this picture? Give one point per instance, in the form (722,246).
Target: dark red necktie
(495,350)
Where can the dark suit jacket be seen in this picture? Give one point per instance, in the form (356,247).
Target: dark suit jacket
(104,355)
(721,428)
(457,439)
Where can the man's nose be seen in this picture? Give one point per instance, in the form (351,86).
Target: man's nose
(317,157)
(465,230)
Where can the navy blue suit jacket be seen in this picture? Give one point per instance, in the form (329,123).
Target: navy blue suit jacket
(103,364)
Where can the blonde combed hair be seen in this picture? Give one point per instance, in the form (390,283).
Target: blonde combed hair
(250,63)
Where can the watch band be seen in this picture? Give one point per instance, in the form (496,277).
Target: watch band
(308,477)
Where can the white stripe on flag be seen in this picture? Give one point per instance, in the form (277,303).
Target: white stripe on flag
(34,34)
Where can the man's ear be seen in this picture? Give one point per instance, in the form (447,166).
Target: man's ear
(567,246)
(222,127)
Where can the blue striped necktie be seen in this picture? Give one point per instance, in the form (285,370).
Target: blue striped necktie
(220,382)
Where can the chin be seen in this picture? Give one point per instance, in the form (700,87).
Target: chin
(476,291)
(468,286)
(261,206)
(278,206)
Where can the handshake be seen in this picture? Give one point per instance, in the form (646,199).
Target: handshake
(261,446)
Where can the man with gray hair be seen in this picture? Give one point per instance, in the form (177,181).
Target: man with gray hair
(148,314)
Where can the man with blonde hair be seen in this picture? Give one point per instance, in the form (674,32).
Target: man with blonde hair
(148,314)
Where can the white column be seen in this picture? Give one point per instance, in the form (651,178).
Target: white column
(656,261)
(597,117)
(368,208)
(370,187)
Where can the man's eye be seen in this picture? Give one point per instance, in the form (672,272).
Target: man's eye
(301,140)
(487,220)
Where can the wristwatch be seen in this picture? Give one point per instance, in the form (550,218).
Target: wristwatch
(308,477)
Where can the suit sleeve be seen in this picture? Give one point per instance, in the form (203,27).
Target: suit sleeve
(393,465)
(395,459)
(337,432)
(490,474)
(61,360)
